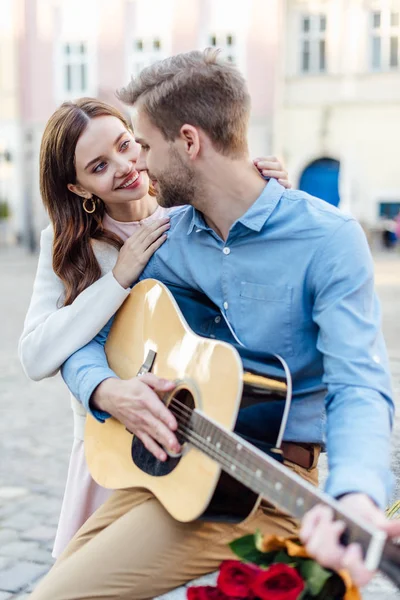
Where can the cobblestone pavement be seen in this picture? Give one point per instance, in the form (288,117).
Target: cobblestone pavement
(36,432)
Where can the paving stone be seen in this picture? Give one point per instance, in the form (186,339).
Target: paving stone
(209,579)
(10,493)
(21,521)
(30,551)
(20,575)
(40,533)
(178,594)
(39,555)
(5,562)
(7,535)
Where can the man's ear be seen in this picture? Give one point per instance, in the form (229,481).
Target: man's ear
(79,191)
(190,137)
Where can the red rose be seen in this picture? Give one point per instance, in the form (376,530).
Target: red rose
(205,592)
(279,582)
(236,579)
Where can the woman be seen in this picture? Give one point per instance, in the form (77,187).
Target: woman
(105,226)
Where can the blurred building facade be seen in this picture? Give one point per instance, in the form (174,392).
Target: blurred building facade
(57,50)
(323,75)
(338,102)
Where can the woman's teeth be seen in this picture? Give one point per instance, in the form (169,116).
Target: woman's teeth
(132,180)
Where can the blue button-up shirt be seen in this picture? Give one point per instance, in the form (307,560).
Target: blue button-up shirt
(294,278)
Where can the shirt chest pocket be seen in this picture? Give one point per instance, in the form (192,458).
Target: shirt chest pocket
(265,322)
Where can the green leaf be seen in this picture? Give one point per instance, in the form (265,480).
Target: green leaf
(283,557)
(243,546)
(245,550)
(315,576)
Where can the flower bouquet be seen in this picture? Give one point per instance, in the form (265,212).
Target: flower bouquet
(274,568)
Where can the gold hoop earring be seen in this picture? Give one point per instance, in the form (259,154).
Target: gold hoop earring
(93,206)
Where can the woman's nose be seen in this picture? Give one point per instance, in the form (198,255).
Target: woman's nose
(124,165)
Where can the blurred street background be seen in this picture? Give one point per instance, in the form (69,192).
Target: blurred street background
(324,76)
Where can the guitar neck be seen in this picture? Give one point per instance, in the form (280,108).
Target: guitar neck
(275,482)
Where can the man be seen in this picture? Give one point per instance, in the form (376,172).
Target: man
(292,276)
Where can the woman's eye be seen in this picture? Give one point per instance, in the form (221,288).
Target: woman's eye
(125,145)
(100,167)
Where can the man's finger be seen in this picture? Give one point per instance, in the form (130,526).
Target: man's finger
(153,447)
(157,383)
(353,562)
(312,519)
(392,528)
(153,403)
(325,546)
(161,433)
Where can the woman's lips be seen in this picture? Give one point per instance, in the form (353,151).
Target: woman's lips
(137,180)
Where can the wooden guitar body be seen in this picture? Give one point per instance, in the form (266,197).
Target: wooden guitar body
(209,376)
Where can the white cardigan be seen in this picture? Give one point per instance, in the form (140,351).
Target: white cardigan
(52,332)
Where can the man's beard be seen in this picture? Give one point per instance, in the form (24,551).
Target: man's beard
(177,185)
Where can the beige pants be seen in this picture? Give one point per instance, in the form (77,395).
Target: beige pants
(132,548)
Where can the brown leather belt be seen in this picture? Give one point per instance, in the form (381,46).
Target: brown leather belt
(304,455)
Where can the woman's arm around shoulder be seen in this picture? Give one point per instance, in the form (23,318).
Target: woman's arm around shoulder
(52,332)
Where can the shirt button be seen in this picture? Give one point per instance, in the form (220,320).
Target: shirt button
(217,320)
(376,359)
(226,250)
(226,305)
(212,336)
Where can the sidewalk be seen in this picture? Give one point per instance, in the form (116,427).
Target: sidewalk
(36,434)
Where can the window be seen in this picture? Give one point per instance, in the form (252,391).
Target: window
(313,43)
(227,43)
(75,77)
(384,40)
(145,51)
(389,210)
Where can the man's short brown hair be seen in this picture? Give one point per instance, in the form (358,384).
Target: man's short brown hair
(197,88)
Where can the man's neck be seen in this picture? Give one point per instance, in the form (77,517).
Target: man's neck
(228,190)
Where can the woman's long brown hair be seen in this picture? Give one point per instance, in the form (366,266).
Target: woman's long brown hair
(74,260)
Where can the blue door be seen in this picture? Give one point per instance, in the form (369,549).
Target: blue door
(321,179)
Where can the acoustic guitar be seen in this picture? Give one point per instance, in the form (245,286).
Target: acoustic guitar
(231,407)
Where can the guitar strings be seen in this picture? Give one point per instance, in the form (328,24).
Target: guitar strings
(191,435)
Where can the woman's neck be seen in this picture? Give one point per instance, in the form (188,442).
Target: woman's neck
(133,211)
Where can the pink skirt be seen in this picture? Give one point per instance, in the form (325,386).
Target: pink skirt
(82,497)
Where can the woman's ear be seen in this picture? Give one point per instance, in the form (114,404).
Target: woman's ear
(79,191)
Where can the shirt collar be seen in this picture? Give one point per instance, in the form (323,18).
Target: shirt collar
(255,217)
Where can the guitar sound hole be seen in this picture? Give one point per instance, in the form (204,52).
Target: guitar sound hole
(182,405)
